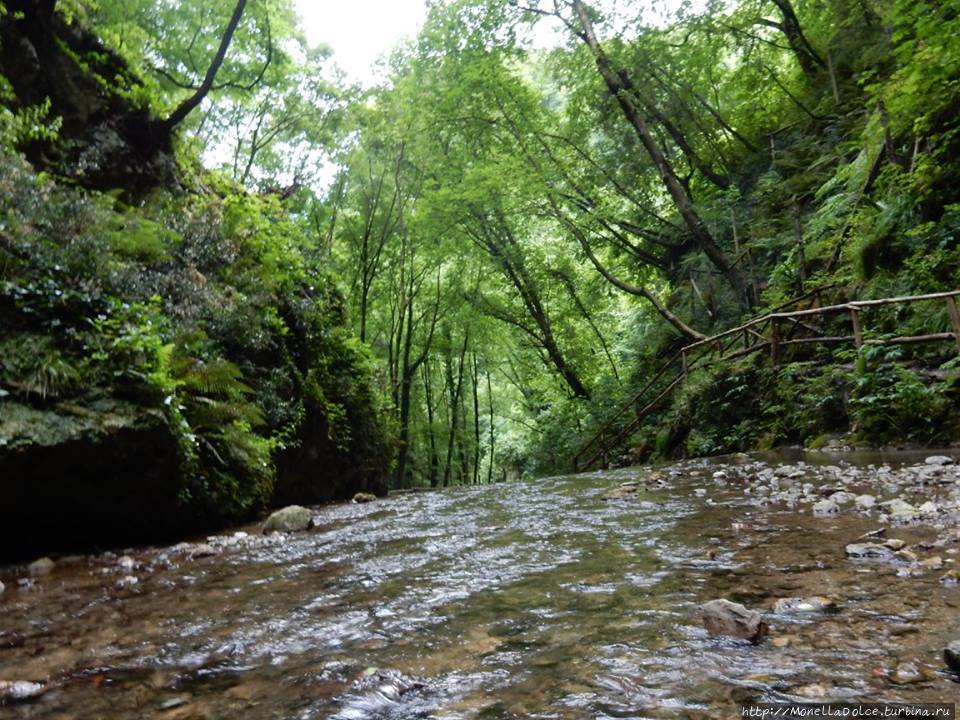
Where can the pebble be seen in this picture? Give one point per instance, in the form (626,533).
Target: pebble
(127,563)
(127,581)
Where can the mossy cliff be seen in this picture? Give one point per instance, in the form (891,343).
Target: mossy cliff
(170,360)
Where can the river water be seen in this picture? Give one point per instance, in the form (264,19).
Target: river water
(520,600)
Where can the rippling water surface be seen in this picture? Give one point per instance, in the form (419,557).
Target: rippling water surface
(539,600)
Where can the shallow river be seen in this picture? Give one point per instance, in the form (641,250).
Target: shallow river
(523,600)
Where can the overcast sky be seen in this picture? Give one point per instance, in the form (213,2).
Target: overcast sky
(360,31)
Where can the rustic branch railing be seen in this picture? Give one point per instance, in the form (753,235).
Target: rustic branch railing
(776,331)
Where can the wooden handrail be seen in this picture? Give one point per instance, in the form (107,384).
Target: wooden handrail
(690,356)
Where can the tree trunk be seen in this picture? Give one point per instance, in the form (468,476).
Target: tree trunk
(187,106)
(620,87)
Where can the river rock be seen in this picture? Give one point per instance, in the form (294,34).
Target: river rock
(816,603)
(43,566)
(929,508)
(869,551)
(895,544)
(899,509)
(939,460)
(864,502)
(722,617)
(907,673)
(18,690)
(932,563)
(825,507)
(951,655)
(364,497)
(621,492)
(289,519)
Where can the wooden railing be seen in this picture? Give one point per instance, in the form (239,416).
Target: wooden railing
(775,332)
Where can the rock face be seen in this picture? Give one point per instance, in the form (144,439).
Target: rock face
(289,519)
(106,142)
(722,617)
(105,473)
(951,655)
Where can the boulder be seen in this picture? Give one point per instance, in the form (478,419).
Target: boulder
(939,460)
(85,473)
(864,502)
(722,617)
(289,519)
(951,655)
(364,497)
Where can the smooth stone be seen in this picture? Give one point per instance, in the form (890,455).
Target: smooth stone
(825,507)
(865,502)
(895,544)
(906,674)
(939,460)
(950,577)
(906,556)
(127,563)
(815,603)
(951,655)
(932,563)
(289,519)
(202,550)
(898,507)
(364,497)
(127,581)
(869,551)
(43,566)
(722,617)
(17,690)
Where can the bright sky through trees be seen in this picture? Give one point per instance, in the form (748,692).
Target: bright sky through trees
(360,31)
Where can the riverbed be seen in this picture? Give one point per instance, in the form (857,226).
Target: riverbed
(542,599)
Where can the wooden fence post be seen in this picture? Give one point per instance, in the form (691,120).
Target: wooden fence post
(857,332)
(954,317)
